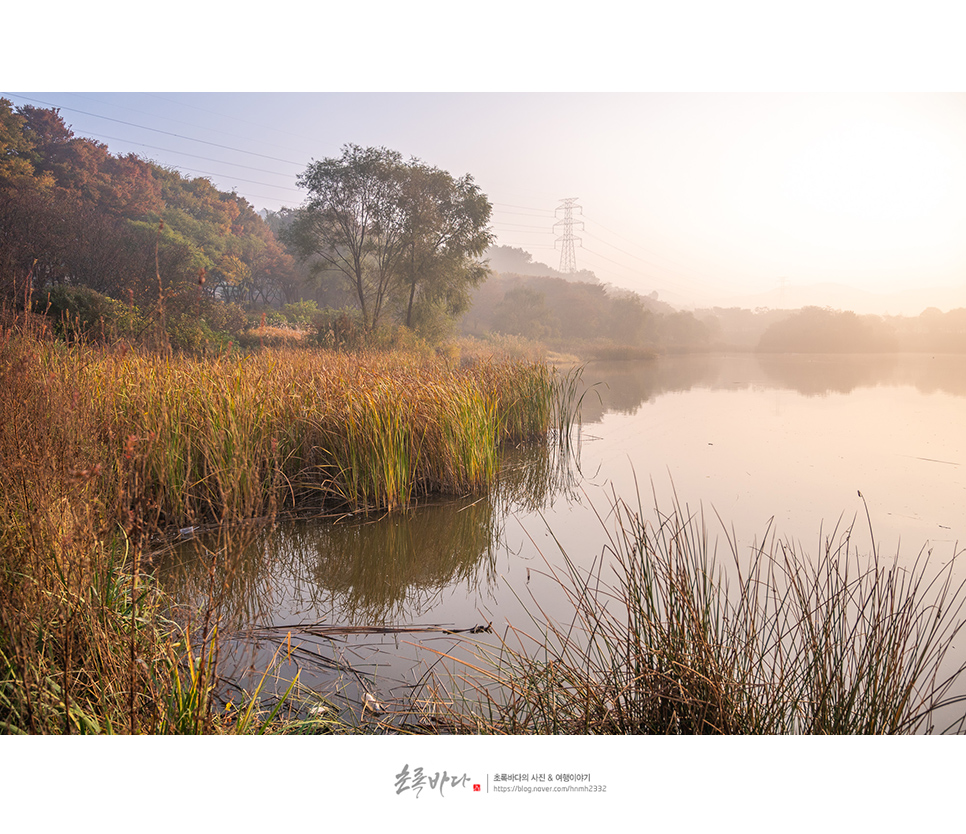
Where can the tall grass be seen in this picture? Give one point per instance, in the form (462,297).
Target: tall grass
(86,645)
(665,639)
(238,437)
(103,448)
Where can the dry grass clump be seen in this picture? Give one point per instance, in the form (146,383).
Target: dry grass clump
(662,642)
(498,347)
(270,336)
(604,352)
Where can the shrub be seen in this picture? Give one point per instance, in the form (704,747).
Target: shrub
(193,335)
(338,329)
(301,313)
(84,314)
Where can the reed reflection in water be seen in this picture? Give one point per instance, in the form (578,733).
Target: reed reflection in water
(367,570)
(344,588)
(355,570)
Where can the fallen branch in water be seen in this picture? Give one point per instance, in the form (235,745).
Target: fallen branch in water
(323,630)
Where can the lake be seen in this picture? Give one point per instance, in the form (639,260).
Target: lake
(764,447)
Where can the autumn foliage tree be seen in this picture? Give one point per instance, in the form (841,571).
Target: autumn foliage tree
(73,214)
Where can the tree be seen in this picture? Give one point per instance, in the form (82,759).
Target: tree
(824,330)
(231,278)
(353,222)
(16,170)
(446,232)
(395,232)
(74,215)
(628,319)
(523,312)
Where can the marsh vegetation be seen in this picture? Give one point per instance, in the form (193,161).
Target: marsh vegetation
(108,452)
(663,636)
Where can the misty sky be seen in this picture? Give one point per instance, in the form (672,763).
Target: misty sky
(704,197)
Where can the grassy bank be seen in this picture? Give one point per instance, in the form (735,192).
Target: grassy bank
(103,449)
(239,436)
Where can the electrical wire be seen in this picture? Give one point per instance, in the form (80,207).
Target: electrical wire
(508,228)
(205,158)
(158,130)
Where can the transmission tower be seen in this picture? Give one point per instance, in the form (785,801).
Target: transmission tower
(568,263)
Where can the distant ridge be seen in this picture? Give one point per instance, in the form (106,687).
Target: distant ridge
(509,259)
(841,297)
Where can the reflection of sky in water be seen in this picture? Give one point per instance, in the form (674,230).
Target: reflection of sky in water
(760,440)
(791,439)
(753,455)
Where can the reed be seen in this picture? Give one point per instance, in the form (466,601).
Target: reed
(666,640)
(212,441)
(102,449)
(85,642)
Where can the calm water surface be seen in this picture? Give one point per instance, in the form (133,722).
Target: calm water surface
(776,447)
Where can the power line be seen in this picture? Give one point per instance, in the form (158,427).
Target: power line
(238,179)
(198,156)
(610,260)
(180,121)
(235,118)
(540,212)
(158,130)
(636,257)
(515,213)
(226,180)
(517,226)
(675,269)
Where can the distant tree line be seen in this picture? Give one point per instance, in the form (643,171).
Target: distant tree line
(581,316)
(596,320)
(932,331)
(823,330)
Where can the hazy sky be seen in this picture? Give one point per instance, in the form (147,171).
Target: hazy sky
(697,196)
(700,196)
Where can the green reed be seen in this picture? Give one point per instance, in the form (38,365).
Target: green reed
(238,437)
